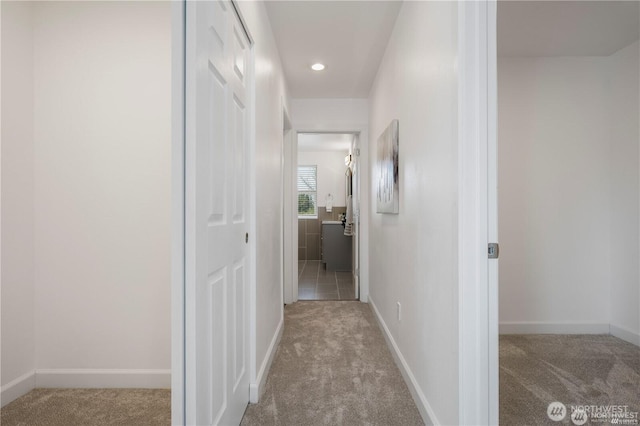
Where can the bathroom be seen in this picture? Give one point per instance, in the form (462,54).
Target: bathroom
(326,231)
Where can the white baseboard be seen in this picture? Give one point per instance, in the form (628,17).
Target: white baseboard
(103,378)
(17,387)
(256,389)
(84,378)
(625,334)
(540,327)
(423,405)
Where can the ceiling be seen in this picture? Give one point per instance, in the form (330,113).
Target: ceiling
(324,141)
(566,28)
(349,37)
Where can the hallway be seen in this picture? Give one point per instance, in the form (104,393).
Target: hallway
(329,369)
(333,367)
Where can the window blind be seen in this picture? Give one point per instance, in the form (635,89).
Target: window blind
(307,181)
(307,191)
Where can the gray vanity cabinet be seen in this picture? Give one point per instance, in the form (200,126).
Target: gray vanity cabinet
(336,247)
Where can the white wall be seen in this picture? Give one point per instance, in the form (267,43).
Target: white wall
(328,114)
(100,193)
(330,174)
(625,189)
(413,255)
(569,194)
(18,338)
(554,193)
(271,97)
(102,170)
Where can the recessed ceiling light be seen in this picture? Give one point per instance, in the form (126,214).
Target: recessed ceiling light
(317,67)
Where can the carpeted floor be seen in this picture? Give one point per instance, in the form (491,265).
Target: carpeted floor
(576,370)
(89,407)
(333,367)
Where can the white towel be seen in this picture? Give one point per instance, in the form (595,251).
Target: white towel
(329,203)
(348,226)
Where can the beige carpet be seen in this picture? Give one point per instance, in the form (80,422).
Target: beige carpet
(333,367)
(89,407)
(536,370)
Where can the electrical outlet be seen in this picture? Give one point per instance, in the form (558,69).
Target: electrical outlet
(399,310)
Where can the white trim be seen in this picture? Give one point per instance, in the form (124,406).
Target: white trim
(289,224)
(419,398)
(492,210)
(548,327)
(253,218)
(103,378)
(190,276)
(177,213)
(2,389)
(477,372)
(257,388)
(625,334)
(17,387)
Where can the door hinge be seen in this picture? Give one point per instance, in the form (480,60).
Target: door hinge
(494,250)
(246,237)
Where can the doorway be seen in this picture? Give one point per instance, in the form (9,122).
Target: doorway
(325,199)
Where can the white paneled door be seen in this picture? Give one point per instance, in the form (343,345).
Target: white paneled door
(218,69)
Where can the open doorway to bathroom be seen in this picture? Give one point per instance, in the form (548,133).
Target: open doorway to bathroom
(326,203)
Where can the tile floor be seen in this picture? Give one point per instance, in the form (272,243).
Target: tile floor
(316,283)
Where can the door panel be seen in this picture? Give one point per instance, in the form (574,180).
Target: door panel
(218,65)
(239,360)
(217,22)
(240,150)
(214,356)
(218,148)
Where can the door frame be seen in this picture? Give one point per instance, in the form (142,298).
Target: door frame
(289,241)
(362,212)
(178,62)
(478,401)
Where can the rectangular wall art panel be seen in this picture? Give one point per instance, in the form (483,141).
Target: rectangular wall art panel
(387,196)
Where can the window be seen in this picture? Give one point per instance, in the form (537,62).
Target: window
(307,191)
